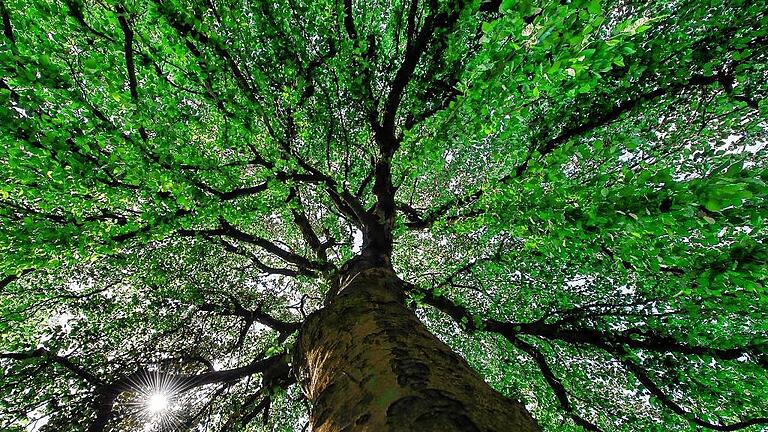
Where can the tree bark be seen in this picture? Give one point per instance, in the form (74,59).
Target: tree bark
(367,363)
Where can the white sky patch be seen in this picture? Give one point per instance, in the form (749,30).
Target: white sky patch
(728,145)
(62,320)
(37,418)
(627,290)
(579,281)
(455,185)
(258,284)
(223,362)
(76,286)
(257,328)
(357,241)
(21,112)
(448,156)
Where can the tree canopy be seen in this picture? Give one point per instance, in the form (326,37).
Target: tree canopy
(574,191)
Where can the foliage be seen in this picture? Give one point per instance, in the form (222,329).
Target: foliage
(575,192)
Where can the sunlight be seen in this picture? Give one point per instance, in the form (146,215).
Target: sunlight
(157,403)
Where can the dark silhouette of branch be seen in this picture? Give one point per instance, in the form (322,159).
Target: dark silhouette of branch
(241,192)
(417,45)
(644,339)
(349,20)
(555,384)
(251,315)
(228,230)
(615,343)
(169,218)
(642,376)
(300,218)
(229,247)
(274,370)
(128,50)
(7,28)
(182,26)
(7,280)
(51,358)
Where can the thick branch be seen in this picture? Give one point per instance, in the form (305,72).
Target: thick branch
(108,394)
(307,232)
(665,399)
(242,192)
(256,315)
(229,247)
(7,28)
(128,49)
(616,343)
(349,20)
(228,230)
(270,247)
(51,358)
(7,280)
(414,50)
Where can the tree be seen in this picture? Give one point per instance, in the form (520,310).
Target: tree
(265,214)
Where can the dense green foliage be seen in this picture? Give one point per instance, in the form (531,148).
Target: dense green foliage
(580,199)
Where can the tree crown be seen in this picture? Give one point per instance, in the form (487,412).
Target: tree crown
(573,191)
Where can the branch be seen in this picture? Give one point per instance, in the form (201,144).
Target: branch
(555,384)
(107,394)
(7,280)
(7,28)
(128,49)
(256,315)
(182,26)
(413,51)
(243,192)
(104,404)
(307,232)
(464,318)
(616,343)
(228,230)
(229,247)
(349,20)
(643,339)
(133,87)
(347,203)
(147,228)
(76,11)
(665,399)
(416,221)
(270,247)
(49,357)
(622,108)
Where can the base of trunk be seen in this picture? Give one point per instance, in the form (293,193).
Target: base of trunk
(368,364)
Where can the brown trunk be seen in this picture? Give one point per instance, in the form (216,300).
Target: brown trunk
(368,364)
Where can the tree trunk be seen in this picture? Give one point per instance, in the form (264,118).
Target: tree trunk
(367,363)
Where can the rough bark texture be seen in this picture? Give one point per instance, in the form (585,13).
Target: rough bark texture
(368,364)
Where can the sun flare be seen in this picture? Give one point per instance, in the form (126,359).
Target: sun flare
(157,403)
